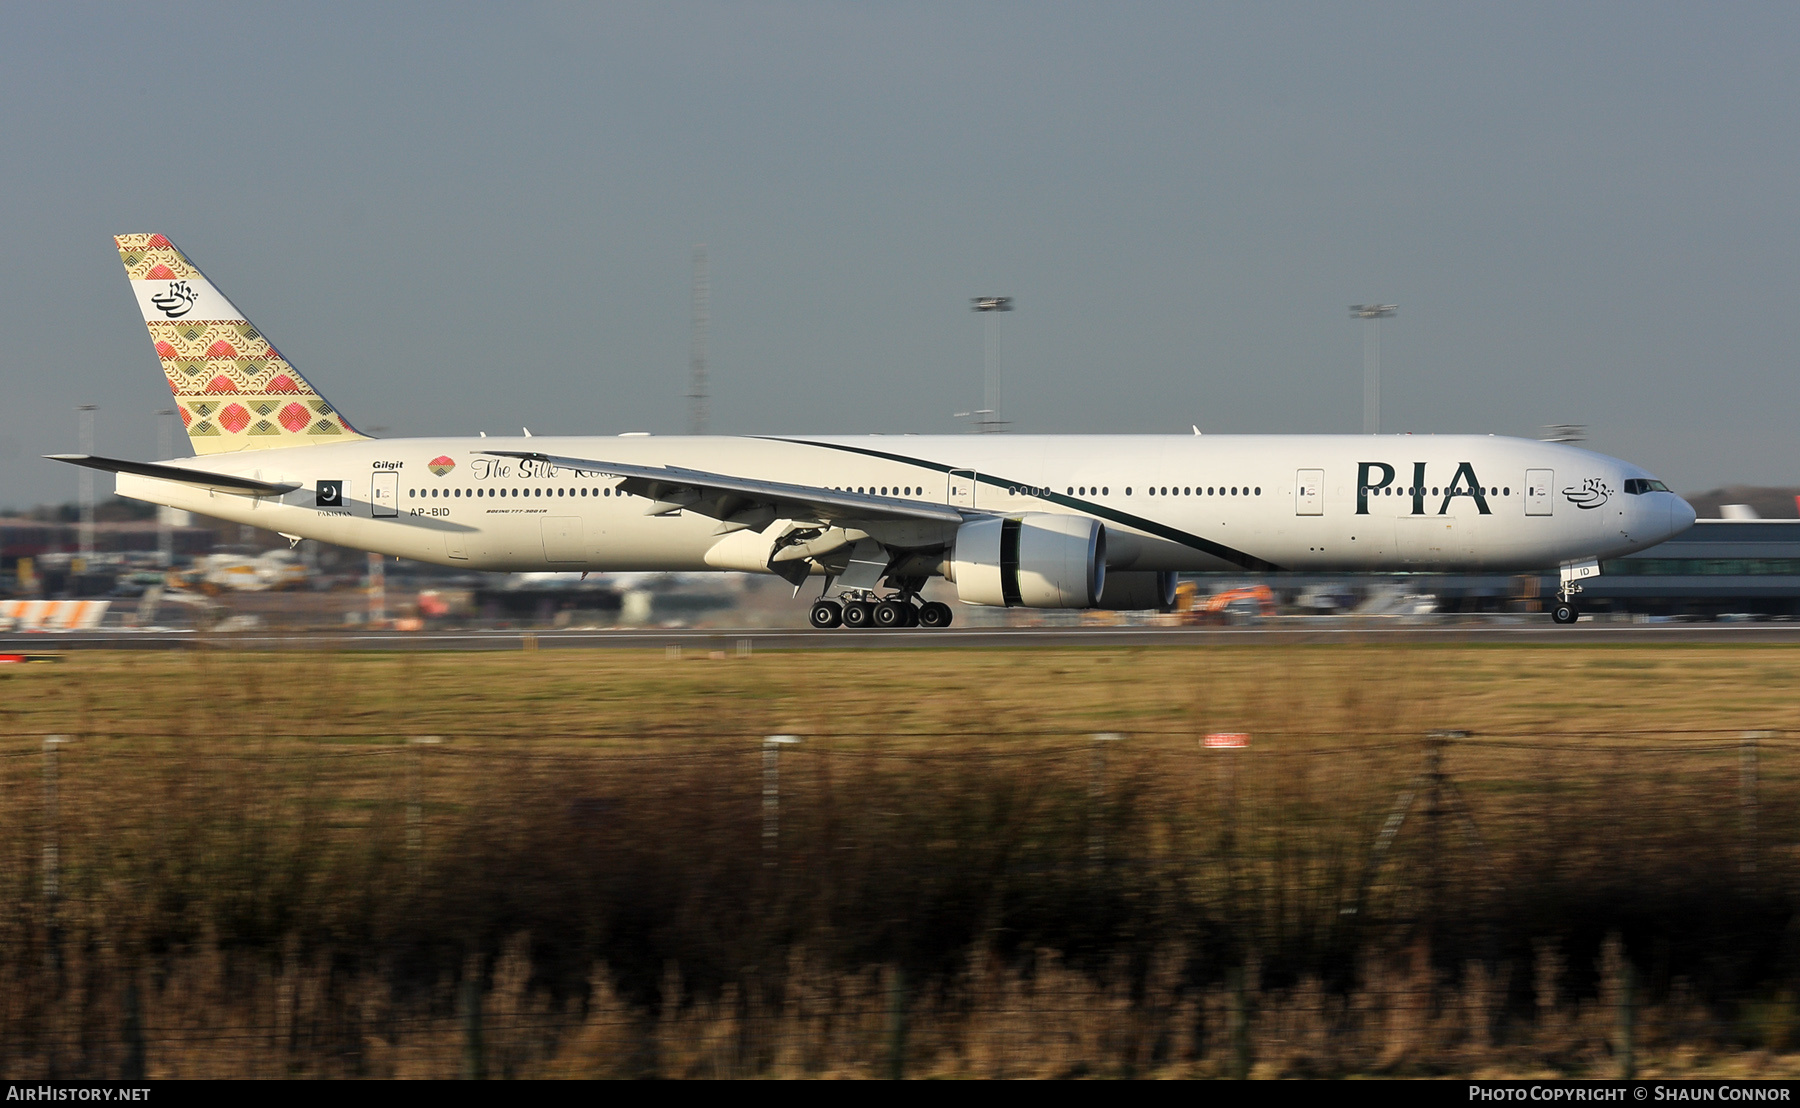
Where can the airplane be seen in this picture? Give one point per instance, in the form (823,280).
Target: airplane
(1035,521)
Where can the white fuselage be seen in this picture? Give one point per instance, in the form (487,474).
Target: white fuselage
(1185,503)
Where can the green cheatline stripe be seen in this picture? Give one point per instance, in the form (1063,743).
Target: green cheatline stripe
(1160,530)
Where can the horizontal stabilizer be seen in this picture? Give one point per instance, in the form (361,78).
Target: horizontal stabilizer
(217,482)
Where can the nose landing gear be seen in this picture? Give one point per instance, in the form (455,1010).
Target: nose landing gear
(1570,575)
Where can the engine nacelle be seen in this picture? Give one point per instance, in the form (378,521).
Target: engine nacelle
(1139,590)
(1037,560)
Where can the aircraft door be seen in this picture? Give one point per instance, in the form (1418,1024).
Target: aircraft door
(1538,483)
(959,491)
(1309,492)
(384,494)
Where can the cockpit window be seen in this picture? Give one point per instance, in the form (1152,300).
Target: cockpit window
(1637,486)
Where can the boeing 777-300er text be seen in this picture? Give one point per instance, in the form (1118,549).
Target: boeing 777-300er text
(1036,521)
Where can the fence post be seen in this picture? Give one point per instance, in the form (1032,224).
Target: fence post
(1236,985)
(134,1067)
(415,808)
(52,844)
(53,887)
(1435,741)
(1627,1017)
(896,1020)
(474,1052)
(1748,800)
(1097,798)
(771,793)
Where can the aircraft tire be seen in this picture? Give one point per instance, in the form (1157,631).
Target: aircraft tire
(1564,613)
(935,614)
(826,614)
(859,614)
(891,613)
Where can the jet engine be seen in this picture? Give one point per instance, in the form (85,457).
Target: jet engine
(1036,560)
(1139,590)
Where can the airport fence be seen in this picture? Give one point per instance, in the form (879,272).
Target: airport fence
(971,903)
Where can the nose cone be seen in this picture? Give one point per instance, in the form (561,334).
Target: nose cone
(1681,515)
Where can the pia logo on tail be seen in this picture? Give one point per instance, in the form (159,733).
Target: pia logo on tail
(1589,494)
(175,302)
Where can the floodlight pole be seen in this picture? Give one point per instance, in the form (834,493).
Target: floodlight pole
(992,306)
(165,539)
(700,300)
(86,421)
(1372,314)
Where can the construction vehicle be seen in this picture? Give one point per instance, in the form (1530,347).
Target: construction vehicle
(1228,605)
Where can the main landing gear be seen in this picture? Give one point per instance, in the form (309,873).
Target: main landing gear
(867,610)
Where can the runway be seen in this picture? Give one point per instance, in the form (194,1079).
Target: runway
(988,638)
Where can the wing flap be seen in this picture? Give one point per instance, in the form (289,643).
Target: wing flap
(672,488)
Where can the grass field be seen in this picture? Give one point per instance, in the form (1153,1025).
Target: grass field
(239,863)
(570,695)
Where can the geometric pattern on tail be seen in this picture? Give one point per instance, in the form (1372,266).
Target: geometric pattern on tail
(233,389)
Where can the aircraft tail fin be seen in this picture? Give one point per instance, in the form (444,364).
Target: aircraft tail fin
(233,390)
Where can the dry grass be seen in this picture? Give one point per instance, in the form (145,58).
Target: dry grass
(1522,690)
(261,876)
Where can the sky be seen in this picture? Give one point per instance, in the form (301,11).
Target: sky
(458,217)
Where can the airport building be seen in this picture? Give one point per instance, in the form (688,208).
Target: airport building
(1720,567)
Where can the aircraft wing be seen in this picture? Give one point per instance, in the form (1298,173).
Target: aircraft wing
(217,482)
(733,499)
